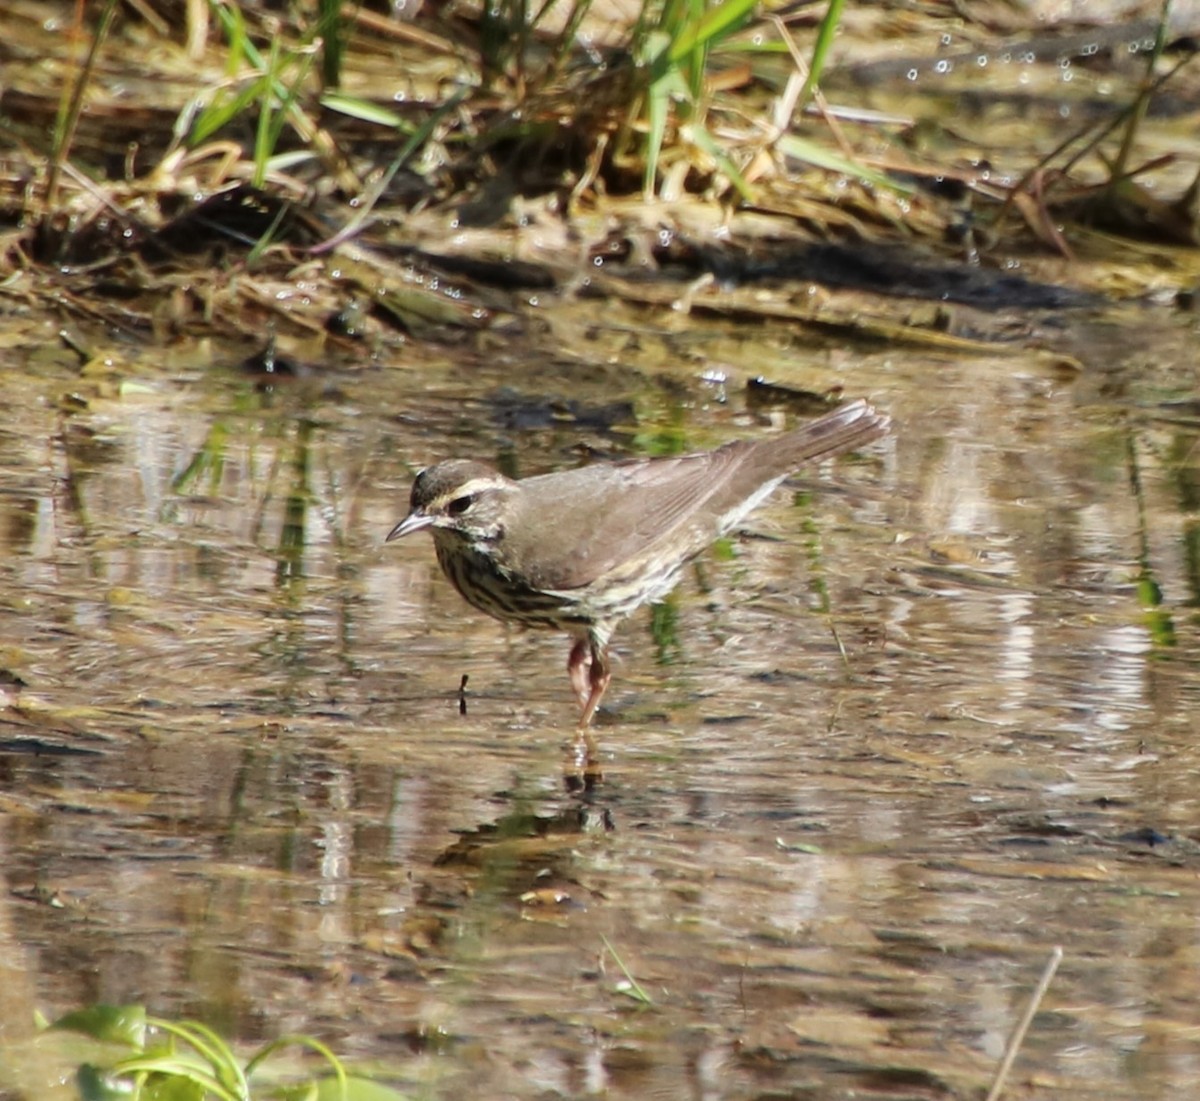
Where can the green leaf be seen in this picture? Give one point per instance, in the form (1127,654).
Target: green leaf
(118,1024)
(171,1087)
(357,1089)
(95,1084)
(657,101)
(193,1073)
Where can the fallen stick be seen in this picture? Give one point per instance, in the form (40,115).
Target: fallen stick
(1018,1036)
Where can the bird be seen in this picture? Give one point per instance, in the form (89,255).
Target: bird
(579,550)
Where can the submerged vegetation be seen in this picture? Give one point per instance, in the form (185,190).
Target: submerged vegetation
(187,1061)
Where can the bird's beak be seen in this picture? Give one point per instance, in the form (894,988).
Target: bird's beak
(414,521)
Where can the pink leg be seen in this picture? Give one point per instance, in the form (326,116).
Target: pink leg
(590,675)
(599,675)
(578,666)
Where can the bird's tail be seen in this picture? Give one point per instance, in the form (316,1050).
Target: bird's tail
(848,426)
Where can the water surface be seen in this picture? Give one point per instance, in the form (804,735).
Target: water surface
(237,784)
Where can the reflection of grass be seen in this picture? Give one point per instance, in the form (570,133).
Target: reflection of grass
(187,1061)
(1157,618)
(205,470)
(664,629)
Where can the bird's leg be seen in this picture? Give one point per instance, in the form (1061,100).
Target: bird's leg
(588,669)
(578,666)
(599,674)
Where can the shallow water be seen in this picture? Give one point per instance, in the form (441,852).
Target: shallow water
(931,713)
(236,782)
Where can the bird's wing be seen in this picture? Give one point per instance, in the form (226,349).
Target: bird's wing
(589,525)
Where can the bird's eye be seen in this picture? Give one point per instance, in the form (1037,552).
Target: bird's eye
(460,504)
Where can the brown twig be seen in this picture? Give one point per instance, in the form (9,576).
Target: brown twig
(1018,1036)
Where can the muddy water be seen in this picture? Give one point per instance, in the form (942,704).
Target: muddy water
(236,782)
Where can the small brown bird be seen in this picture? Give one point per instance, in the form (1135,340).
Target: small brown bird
(579,550)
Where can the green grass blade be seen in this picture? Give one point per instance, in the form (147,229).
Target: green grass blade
(821,156)
(418,139)
(262,132)
(332,29)
(826,33)
(363,110)
(658,103)
(708,143)
(718,22)
(223,111)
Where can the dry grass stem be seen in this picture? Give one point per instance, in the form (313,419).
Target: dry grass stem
(1018,1036)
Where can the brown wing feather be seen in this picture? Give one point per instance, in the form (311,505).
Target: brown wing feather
(590,525)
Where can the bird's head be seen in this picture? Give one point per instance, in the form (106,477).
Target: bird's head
(457,498)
